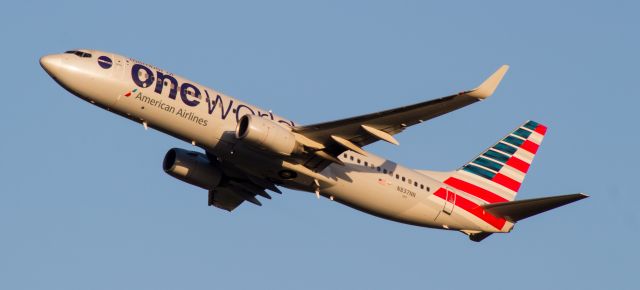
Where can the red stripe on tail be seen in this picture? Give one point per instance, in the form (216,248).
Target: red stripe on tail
(473,209)
(530,146)
(542,129)
(474,190)
(506,182)
(518,164)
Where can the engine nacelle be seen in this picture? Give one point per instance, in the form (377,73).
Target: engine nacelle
(192,167)
(266,134)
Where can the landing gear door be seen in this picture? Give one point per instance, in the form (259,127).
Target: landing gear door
(450,201)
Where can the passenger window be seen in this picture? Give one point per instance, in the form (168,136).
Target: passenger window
(384,170)
(409,180)
(397,176)
(421,186)
(378,168)
(351,157)
(358,160)
(403,179)
(366,163)
(345,155)
(415,183)
(428,189)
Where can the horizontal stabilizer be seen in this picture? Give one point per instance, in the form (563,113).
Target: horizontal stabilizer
(514,211)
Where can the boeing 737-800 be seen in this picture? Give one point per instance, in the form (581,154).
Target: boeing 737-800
(247,150)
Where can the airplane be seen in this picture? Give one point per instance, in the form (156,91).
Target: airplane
(247,150)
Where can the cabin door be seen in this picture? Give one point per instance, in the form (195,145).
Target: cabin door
(450,201)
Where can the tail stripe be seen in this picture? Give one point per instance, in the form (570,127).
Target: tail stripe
(488,164)
(513,173)
(473,209)
(479,171)
(530,146)
(531,125)
(506,182)
(536,127)
(505,148)
(474,190)
(496,177)
(514,141)
(518,164)
(524,155)
(522,133)
(497,156)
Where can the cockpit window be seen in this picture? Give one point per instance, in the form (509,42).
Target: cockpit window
(78,53)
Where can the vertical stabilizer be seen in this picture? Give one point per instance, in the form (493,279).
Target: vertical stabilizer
(497,173)
(494,176)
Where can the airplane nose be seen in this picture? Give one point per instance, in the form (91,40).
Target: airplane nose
(51,64)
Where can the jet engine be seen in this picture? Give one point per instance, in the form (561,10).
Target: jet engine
(266,134)
(192,167)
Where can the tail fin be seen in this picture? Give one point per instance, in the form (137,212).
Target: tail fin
(497,173)
(486,186)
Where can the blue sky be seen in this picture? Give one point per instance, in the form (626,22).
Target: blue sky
(84,203)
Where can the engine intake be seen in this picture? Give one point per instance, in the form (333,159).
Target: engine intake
(266,134)
(192,167)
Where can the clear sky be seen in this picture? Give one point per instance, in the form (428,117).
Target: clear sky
(84,203)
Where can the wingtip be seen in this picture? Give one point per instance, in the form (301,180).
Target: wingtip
(487,87)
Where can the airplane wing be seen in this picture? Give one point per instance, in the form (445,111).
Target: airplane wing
(332,138)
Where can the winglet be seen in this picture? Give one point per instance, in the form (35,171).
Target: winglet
(487,88)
